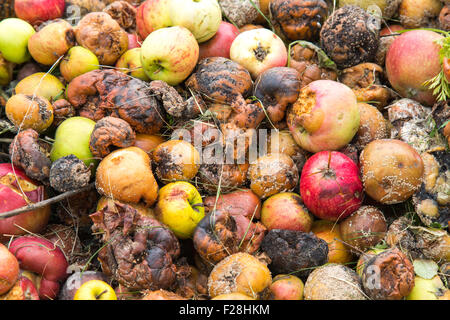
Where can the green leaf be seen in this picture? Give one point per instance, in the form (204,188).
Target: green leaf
(426,269)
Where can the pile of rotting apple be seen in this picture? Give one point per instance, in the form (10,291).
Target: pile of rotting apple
(331,118)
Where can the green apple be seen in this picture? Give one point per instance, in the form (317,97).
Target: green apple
(180,207)
(72,137)
(78,61)
(201,17)
(14,35)
(130,63)
(41,84)
(169,54)
(95,290)
(6,70)
(428,289)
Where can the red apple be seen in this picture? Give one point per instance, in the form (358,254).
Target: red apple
(41,256)
(29,291)
(133,41)
(412,59)
(152,15)
(324,117)
(285,210)
(392,29)
(219,45)
(9,269)
(16,193)
(258,50)
(330,185)
(37,11)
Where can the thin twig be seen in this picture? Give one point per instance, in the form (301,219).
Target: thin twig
(44,203)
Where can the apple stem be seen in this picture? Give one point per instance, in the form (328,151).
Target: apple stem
(100,294)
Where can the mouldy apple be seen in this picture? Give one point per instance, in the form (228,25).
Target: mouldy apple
(169,54)
(201,17)
(14,35)
(258,50)
(16,191)
(325,116)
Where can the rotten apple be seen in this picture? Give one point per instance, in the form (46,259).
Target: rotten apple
(324,117)
(330,185)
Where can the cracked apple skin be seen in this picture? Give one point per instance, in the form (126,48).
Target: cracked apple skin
(324,117)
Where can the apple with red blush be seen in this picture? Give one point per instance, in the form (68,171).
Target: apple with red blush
(219,45)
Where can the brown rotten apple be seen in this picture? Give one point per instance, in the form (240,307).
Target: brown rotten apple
(391,170)
(126,175)
(324,117)
(16,191)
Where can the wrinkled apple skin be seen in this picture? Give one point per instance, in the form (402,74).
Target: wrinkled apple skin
(201,17)
(258,50)
(38,11)
(14,35)
(9,269)
(332,121)
(39,255)
(169,54)
(152,15)
(406,53)
(330,185)
(220,44)
(32,221)
(286,211)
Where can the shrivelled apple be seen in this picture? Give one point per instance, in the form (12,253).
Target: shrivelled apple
(14,35)
(38,11)
(258,50)
(325,116)
(286,210)
(180,207)
(78,61)
(219,45)
(152,15)
(9,269)
(72,137)
(201,17)
(407,51)
(126,175)
(330,185)
(51,42)
(130,63)
(16,191)
(95,290)
(41,84)
(169,54)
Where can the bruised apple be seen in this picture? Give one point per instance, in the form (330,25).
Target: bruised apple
(16,191)
(126,175)
(409,50)
(324,117)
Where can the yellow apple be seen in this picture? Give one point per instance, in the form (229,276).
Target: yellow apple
(95,290)
(180,207)
(428,289)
